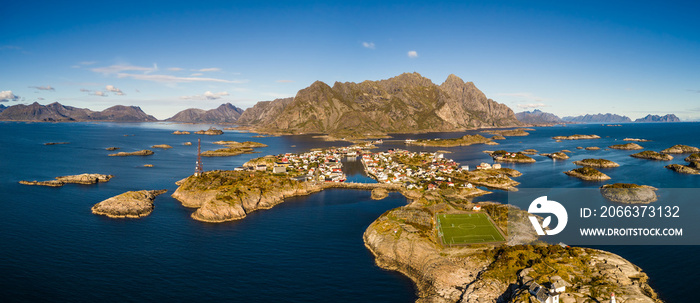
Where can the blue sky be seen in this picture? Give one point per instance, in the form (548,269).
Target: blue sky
(630,58)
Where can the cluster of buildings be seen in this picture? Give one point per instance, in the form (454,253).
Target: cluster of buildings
(414,169)
(317,165)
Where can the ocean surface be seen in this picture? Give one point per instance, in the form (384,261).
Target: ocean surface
(308,249)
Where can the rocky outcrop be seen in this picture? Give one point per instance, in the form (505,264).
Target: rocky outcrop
(693,158)
(131,204)
(635,140)
(233,148)
(379,194)
(556,156)
(628,146)
(652,155)
(77,179)
(112,148)
(588,174)
(628,193)
(144,152)
(406,103)
(465,140)
(592,148)
(179,132)
(212,131)
(680,149)
(518,132)
(576,137)
(163,146)
(56,143)
(683,169)
(211,193)
(657,118)
(596,163)
(225,113)
(503,156)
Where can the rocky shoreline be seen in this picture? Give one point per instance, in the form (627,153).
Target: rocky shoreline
(144,152)
(628,146)
(596,163)
(652,155)
(77,179)
(629,193)
(588,174)
(131,204)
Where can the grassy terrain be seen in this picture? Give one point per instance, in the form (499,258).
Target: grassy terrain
(468,228)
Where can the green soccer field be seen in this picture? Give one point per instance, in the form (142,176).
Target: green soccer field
(470,228)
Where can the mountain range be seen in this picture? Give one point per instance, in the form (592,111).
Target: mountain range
(598,118)
(537,117)
(55,112)
(225,113)
(657,118)
(405,103)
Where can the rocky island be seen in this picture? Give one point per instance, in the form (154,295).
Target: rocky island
(112,148)
(504,156)
(652,155)
(144,152)
(596,163)
(628,146)
(77,179)
(233,148)
(683,169)
(635,140)
(588,174)
(212,131)
(680,149)
(462,141)
(628,193)
(404,240)
(693,158)
(163,146)
(576,137)
(178,132)
(593,148)
(131,204)
(518,132)
(56,143)
(560,155)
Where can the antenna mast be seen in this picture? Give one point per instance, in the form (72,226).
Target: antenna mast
(198,166)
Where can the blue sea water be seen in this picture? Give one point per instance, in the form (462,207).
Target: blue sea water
(308,249)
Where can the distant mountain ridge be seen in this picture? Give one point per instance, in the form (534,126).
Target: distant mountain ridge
(537,117)
(657,118)
(2,107)
(598,118)
(55,112)
(405,103)
(225,113)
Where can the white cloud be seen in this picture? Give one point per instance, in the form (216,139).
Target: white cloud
(100,93)
(210,69)
(174,79)
(412,54)
(114,69)
(111,88)
(531,105)
(206,96)
(196,75)
(7,95)
(174,69)
(85,90)
(47,87)
(285,81)
(369,45)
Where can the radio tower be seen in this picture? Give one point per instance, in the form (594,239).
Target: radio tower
(198,166)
